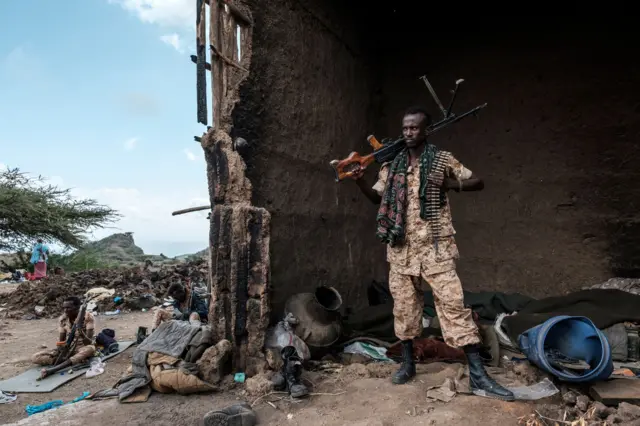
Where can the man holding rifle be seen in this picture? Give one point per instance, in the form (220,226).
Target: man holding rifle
(414,220)
(74,343)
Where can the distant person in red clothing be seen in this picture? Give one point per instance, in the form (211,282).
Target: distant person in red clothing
(39,257)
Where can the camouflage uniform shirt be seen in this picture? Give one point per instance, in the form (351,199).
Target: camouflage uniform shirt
(417,255)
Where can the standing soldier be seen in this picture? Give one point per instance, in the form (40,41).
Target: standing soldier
(414,220)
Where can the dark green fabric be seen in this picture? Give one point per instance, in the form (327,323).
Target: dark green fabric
(392,212)
(487,304)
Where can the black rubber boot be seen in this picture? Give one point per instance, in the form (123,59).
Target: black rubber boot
(480,382)
(292,371)
(235,415)
(407,370)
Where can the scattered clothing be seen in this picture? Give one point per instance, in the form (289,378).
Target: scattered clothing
(107,339)
(488,304)
(630,285)
(429,350)
(170,339)
(163,315)
(372,321)
(604,307)
(375,353)
(34,409)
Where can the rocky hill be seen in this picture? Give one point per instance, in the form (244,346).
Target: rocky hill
(118,249)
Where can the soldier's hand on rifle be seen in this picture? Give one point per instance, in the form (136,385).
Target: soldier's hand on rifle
(358,174)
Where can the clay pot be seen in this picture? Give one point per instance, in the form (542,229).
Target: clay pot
(318,317)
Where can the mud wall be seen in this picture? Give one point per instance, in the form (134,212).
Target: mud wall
(308,100)
(556,146)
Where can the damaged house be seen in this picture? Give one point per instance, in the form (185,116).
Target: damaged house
(287,86)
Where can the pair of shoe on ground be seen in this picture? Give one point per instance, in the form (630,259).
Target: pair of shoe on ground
(480,382)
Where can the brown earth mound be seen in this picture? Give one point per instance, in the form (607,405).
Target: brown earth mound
(130,284)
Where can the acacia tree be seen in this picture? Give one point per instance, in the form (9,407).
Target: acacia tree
(31,209)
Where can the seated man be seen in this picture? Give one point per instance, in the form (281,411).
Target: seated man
(187,305)
(83,349)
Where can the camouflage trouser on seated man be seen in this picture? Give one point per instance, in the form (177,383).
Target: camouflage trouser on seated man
(456,321)
(162,315)
(48,357)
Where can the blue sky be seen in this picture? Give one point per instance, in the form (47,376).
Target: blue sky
(99,96)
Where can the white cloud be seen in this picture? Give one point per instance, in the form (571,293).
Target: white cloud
(178,15)
(167,13)
(173,40)
(190,155)
(148,216)
(147,213)
(130,144)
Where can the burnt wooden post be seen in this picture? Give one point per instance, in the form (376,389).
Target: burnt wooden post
(239,232)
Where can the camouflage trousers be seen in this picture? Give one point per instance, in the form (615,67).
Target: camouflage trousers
(48,357)
(162,315)
(456,321)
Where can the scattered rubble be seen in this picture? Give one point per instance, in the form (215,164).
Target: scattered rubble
(136,287)
(579,409)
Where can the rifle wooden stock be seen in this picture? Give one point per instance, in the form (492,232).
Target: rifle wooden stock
(383,152)
(350,165)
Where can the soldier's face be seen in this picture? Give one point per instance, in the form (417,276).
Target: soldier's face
(413,129)
(70,309)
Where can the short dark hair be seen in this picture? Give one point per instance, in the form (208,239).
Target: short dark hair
(175,286)
(418,109)
(73,299)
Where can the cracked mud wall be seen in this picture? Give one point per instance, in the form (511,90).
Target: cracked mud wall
(557,146)
(307,101)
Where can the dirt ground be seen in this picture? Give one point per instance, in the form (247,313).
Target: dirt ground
(348,397)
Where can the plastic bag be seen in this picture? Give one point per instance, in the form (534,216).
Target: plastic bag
(282,335)
(96,369)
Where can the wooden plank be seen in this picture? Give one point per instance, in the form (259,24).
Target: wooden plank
(612,392)
(227,51)
(235,11)
(217,64)
(201,62)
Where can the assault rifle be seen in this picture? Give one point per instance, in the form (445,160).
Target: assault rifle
(389,148)
(70,344)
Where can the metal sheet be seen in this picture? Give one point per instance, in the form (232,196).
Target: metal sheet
(27,381)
